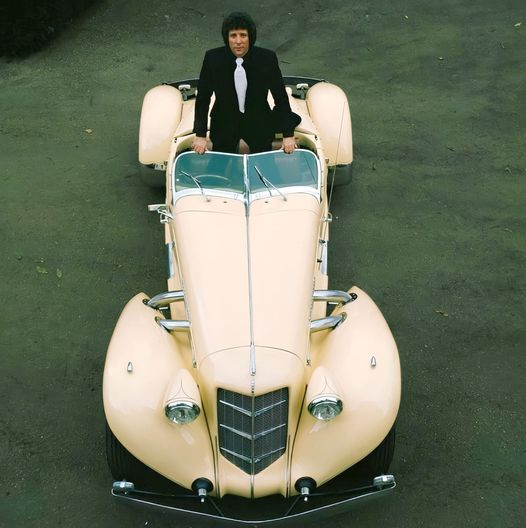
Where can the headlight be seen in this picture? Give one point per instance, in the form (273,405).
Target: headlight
(181,412)
(325,407)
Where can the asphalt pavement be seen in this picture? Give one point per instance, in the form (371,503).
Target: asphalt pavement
(432,227)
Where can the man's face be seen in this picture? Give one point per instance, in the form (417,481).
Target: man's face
(238,42)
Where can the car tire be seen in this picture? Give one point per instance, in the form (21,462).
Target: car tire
(378,461)
(151,177)
(124,466)
(342,175)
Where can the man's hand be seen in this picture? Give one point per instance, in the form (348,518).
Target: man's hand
(289,145)
(199,145)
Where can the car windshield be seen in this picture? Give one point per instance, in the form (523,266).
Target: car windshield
(265,172)
(277,169)
(212,170)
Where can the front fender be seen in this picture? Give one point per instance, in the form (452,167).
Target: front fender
(145,367)
(359,361)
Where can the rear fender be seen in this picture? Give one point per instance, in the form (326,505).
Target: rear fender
(329,109)
(160,116)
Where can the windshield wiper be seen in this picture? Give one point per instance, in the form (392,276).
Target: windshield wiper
(197,182)
(269,184)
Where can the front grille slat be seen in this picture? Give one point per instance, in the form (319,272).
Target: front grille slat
(249,436)
(269,407)
(236,408)
(252,429)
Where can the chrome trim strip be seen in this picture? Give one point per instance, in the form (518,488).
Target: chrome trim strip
(271,430)
(240,409)
(165,298)
(238,432)
(327,323)
(252,360)
(249,436)
(171,265)
(254,460)
(248,460)
(324,265)
(252,353)
(249,413)
(268,407)
(246,182)
(270,453)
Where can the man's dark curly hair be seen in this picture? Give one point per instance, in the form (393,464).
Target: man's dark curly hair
(239,20)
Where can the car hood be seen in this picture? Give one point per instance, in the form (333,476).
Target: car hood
(247,270)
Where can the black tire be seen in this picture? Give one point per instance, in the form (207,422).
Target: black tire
(124,466)
(151,177)
(341,174)
(378,461)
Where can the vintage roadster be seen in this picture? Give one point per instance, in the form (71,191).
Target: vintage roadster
(249,378)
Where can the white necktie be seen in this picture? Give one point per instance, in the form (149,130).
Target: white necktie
(240,82)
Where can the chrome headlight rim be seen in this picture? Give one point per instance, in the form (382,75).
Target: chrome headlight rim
(181,411)
(331,401)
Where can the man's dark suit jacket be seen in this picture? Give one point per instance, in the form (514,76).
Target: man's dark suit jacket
(263,74)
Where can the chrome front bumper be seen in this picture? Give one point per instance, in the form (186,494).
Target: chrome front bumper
(299,509)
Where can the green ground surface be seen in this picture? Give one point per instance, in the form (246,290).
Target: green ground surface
(432,227)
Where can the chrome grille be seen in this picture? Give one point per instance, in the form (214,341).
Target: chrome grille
(252,429)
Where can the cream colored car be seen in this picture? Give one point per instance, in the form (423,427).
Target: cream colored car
(248,377)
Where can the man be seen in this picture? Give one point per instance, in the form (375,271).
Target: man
(241,74)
